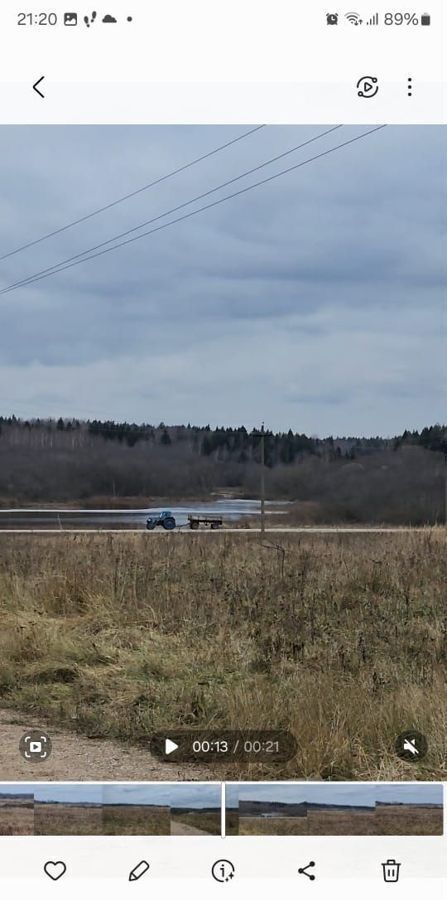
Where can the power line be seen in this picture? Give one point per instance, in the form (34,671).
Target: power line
(135,193)
(30,278)
(195,212)
(68,264)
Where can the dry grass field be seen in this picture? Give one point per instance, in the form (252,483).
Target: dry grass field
(421,820)
(389,820)
(341,822)
(340,638)
(66,818)
(273,825)
(134,819)
(17,816)
(231,821)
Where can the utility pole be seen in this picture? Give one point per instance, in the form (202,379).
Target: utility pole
(262,480)
(445,490)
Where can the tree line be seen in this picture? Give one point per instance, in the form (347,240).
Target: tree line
(222,443)
(399,479)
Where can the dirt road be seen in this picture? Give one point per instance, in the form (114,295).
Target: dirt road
(292,529)
(78,758)
(180,828)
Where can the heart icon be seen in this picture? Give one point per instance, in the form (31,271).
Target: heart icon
(55,870)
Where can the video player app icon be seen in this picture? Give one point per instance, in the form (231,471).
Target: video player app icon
(368,87)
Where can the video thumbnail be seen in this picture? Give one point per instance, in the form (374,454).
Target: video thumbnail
(118,809)
(335,809)
(223,479)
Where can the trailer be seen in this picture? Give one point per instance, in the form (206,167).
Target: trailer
(213,522)
(165,519)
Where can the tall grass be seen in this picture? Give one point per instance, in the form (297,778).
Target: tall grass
(344,642)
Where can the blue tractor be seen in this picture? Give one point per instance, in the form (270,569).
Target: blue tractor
(165,519)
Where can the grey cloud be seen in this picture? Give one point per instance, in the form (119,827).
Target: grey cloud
(332,277)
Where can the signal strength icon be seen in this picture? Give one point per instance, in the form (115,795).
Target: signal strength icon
(374,20)
(354,18)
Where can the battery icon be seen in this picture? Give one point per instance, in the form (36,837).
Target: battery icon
(425,19)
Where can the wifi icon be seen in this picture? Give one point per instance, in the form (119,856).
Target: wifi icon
(354,18)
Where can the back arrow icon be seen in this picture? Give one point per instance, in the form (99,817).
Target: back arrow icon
(36,88)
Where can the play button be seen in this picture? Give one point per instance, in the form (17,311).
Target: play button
(170,747)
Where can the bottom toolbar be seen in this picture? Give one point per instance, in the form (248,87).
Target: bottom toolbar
(224,861)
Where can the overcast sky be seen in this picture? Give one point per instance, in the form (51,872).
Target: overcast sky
(315,302)
(177,795)
(205,794)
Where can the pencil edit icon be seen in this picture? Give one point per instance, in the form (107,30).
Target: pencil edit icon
(139,870)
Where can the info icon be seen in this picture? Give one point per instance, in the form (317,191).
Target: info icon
(411,746)
(35,746)
(223,870)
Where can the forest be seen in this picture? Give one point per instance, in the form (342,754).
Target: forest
(400,478)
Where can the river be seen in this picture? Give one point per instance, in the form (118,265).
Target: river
(66,519)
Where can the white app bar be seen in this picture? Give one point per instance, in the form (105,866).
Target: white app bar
(223,62)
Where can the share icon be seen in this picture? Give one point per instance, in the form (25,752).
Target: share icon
(304,871)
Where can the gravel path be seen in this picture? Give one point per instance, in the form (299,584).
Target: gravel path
(181,828)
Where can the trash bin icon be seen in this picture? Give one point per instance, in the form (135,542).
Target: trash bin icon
(391,870)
